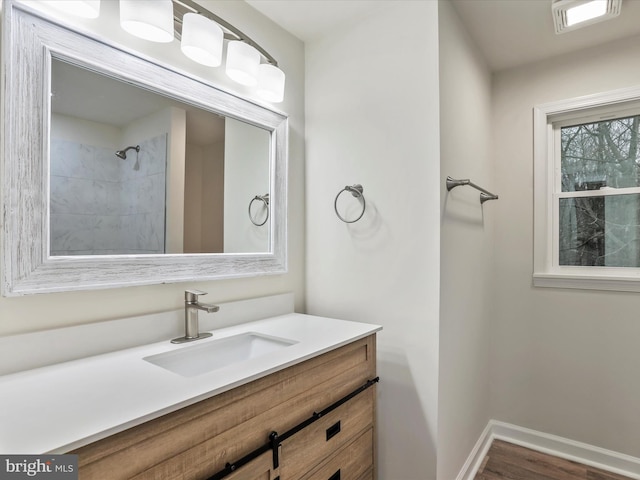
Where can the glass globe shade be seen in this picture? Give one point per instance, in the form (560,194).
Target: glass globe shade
(243,61)
(270,83)
(148,19)
(201,40)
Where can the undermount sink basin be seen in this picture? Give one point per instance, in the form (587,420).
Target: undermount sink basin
(199,359)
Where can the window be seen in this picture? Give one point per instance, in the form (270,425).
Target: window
(587,192)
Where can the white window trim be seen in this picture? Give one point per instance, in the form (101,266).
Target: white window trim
(545,273)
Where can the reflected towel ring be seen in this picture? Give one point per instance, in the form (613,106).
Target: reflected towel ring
(264,199)
(356,191)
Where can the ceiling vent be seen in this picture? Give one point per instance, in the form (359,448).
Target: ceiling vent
(572,14)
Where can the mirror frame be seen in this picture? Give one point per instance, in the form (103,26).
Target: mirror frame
(29,42)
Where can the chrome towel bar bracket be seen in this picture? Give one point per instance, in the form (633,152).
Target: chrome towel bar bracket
(265,200)
(485,195)
(356,191)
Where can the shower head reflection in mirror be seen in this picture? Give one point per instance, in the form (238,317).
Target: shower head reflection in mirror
(123,153)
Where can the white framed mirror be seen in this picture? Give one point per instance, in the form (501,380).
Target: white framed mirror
(105,183)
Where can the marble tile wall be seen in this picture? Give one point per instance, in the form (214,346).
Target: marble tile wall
(103,205)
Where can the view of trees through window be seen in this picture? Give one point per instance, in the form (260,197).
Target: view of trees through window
(598,211)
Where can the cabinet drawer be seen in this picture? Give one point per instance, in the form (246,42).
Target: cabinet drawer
(321,439)
(353,462)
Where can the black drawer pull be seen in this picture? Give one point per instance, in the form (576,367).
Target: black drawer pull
(335,476)
(332,431)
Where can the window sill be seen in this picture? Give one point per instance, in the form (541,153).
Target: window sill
(587,282)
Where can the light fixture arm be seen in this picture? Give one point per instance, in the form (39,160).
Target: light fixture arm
(192,6)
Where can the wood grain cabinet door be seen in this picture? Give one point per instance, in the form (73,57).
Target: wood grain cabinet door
(353,462)
(332,433)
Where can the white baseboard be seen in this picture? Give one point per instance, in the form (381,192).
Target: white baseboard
(479,451)
(551,444)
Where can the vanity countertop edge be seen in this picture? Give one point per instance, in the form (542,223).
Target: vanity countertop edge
(61,407)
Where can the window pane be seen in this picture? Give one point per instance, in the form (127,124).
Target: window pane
(600,231)
(600,154)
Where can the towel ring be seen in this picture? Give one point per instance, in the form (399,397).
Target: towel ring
(264,199)
(356,191)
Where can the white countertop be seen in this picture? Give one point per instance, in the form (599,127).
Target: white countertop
(61,407)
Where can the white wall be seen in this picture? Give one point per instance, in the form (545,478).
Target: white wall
(372,118)
(53,310)
(563,361)
(466,245)
(246,174)
(64,127)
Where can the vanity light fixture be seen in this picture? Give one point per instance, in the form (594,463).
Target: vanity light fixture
(242,63)
(202,40)
(247,62)
(270,83)
(80,8)
(202,35)
(572,14)
(148,19)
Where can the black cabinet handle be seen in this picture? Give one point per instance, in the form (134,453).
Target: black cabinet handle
(332,431)
(335,476)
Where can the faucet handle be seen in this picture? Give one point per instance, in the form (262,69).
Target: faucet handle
(192,295)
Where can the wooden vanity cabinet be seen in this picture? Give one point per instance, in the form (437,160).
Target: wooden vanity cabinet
(197,441)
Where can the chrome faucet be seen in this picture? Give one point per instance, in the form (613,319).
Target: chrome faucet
(191,309)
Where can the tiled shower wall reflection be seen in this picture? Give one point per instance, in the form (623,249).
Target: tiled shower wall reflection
(103,205)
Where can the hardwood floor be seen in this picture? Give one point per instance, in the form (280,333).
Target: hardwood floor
(506,461)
